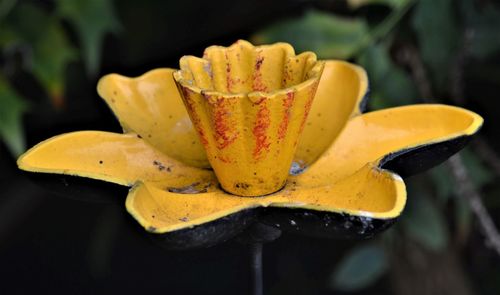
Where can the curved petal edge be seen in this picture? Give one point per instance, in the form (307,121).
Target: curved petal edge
(150,105)
(341,95)
(118,158)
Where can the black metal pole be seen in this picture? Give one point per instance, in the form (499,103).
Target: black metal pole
(256,267)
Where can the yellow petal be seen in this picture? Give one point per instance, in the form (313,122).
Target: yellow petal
(348,178)
(370,192)
(370,137)
(341,91)
(150,105)
(161,211)
(118,158)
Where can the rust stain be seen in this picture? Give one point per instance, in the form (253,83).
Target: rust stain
(310,99)
(260,129)
(224,159)
(259,62)
(287,75)
(287,105)
(229,78)
(225,131)
(190,105)
(258,84)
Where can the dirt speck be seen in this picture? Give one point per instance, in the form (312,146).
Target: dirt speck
(242,185)
(161,167)
(194,188)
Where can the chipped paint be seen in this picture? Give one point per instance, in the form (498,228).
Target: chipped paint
(258,83)
(252,119)
(225,129)
(229,77)
(287,106)
(259,131)
(190,106)
(307,107)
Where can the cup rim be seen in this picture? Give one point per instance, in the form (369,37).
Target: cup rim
(314,75)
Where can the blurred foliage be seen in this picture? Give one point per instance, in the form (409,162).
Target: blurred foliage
(12,107)
(43,48)
(483,26)
(354,4)
(440,31)
(362,267)
(438,36)
(368,32)
(393,85)
(92,19)
(329,36)
(424,222)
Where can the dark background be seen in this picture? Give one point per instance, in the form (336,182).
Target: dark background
(56,245)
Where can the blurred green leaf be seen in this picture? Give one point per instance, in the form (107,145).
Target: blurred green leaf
(47,48)
(328,35)
(424,223)
(5,7)
(391,3)
(443,182)
(12,108)
(15,28)
(463,217)
(478,171)
(390,85)
(360,268)
(437,34)
(51,55)
(445,186)
(483,26)
(93,19)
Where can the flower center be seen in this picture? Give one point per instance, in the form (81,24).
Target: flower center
(249,105)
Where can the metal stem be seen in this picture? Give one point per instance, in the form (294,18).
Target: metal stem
(256,266)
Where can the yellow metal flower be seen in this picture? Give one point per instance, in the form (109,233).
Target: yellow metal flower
(345,162)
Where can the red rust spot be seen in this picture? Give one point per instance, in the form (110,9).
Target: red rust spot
(229,78)
(258,63)
(224,159)
(225,131)
(287,105)
(190,105)
(260,128)
(287,75)
(310,99)
(258,84)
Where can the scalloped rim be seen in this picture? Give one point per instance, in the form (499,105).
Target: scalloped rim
(315,73)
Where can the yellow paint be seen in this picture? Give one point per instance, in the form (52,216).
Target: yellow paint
(160,151)
(249,105)
(370,193)
(341,90)
(119,158)
(160,211)
(369,137)
(346,179)
(150,105)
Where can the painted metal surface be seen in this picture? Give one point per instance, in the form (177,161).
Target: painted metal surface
(249,105)
(151,107)
(119,158)
(172,193)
